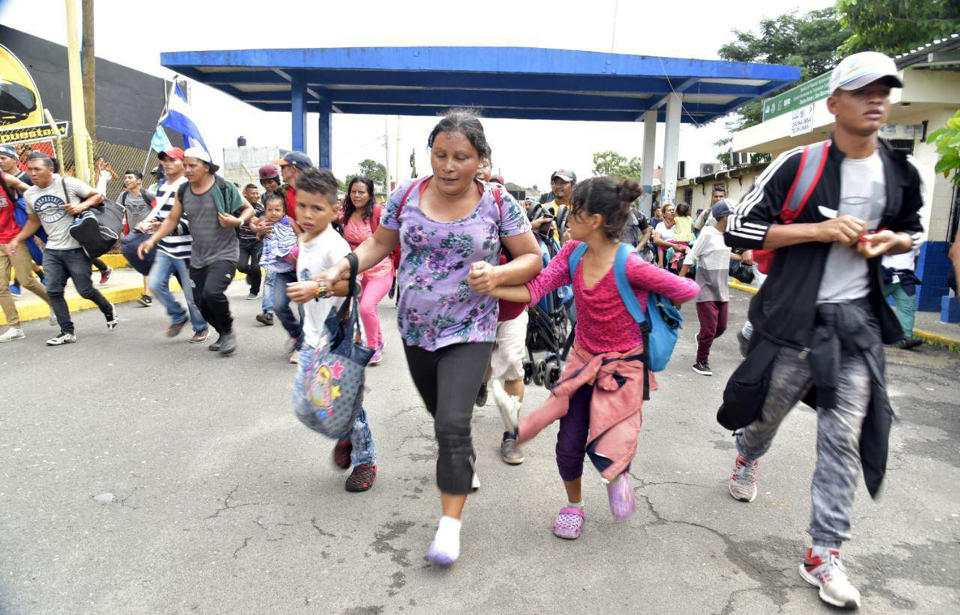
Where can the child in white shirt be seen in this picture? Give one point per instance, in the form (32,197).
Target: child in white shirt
(320,248)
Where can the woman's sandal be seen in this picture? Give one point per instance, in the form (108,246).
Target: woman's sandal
(569,523)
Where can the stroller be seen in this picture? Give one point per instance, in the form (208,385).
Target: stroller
(550,321)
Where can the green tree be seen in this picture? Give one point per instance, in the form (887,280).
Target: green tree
(895,26)
(612,163)
(375,171)
(947,140)
(808,41)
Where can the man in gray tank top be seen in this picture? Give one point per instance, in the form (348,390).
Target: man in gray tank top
(215,209)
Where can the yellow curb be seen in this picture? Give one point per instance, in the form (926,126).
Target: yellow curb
(741,286)
(37,309)
(937,340)
(117,261)
(931,338)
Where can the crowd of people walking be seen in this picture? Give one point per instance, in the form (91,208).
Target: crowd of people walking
(464,258)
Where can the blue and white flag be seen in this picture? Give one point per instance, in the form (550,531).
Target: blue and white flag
(160,142)
(178,117)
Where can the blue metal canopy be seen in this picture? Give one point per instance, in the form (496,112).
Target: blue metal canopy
(503,82)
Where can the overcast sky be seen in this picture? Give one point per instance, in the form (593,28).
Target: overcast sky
(525,151)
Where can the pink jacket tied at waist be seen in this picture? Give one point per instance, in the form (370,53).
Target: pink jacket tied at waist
(616,411)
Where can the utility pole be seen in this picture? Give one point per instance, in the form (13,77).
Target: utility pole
(89,61)
(386,147)
(81,159)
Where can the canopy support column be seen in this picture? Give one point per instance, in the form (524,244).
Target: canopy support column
(326,138)
(298,112)
(671,149)
(649,159)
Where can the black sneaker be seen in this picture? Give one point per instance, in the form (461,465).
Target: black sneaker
(214,347)
(227,343)
(361,479)
(145,300)
(909,344)
(265,318)
(744,344)
(482,395)
(703,369)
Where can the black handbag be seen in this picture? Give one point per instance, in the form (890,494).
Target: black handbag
(99,228)
(741,272)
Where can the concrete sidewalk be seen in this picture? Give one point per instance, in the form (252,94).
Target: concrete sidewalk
(124,285)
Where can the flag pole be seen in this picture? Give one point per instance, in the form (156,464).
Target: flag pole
(166,101)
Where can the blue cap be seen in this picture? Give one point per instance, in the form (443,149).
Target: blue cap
(721,209)
(297,159)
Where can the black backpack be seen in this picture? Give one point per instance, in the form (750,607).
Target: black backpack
(99,228)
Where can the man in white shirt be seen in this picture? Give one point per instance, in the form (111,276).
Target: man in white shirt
(52,202)
(712,257)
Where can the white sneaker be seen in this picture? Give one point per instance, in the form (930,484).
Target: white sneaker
(743,481)
(830,576)
(13,333)
(63,338)
(509,406)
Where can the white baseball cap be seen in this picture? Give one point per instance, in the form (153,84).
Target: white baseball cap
(201,154)
(860,69)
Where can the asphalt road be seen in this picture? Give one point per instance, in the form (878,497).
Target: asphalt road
(140,474)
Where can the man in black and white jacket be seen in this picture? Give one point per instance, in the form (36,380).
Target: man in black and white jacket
(821,316)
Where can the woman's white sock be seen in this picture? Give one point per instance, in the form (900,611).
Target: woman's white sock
(447,538)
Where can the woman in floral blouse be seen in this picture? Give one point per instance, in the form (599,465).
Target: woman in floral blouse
(445,223)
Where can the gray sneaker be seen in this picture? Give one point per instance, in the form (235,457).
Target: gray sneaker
(510,451)
(228,343)
(743,481)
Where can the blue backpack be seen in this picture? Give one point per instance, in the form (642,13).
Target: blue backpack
(660,326)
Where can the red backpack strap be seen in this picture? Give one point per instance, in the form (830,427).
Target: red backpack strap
(812,162)
(403,200)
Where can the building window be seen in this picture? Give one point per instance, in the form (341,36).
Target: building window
(688,195)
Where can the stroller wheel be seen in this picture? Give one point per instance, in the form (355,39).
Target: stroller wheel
(527,372)
(553,375)
(539,372)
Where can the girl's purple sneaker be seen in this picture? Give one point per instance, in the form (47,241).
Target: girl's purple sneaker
(622,501)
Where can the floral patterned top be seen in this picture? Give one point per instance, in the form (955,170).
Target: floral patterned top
(437,307)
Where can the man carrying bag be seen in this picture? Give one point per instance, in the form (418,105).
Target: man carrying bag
(53,202)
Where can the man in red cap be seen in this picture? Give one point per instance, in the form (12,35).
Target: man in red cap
(290,166)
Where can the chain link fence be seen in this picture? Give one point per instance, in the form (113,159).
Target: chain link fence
(120,157)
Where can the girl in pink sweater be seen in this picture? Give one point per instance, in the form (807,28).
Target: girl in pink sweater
(600,396)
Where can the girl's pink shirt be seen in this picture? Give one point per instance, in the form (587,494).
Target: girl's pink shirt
(603,322)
